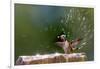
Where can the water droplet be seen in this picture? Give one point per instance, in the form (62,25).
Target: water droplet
(71,16)
(57,54)
(80,47)
(83,18)
(71,10)
(83,43)
(84,27)
(37,54)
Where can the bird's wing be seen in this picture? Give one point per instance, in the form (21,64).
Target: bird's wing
(74,43)
(60,44)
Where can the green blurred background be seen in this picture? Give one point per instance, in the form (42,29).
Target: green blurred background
(37,26)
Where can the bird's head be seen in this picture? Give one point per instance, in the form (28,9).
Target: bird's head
(61,38)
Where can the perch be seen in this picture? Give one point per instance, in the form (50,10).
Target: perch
(51,58)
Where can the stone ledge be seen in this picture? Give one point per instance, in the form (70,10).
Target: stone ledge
(50,58)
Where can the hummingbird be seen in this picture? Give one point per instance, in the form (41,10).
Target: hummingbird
(67,46)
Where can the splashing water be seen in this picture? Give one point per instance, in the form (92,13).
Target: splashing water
(80,25)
